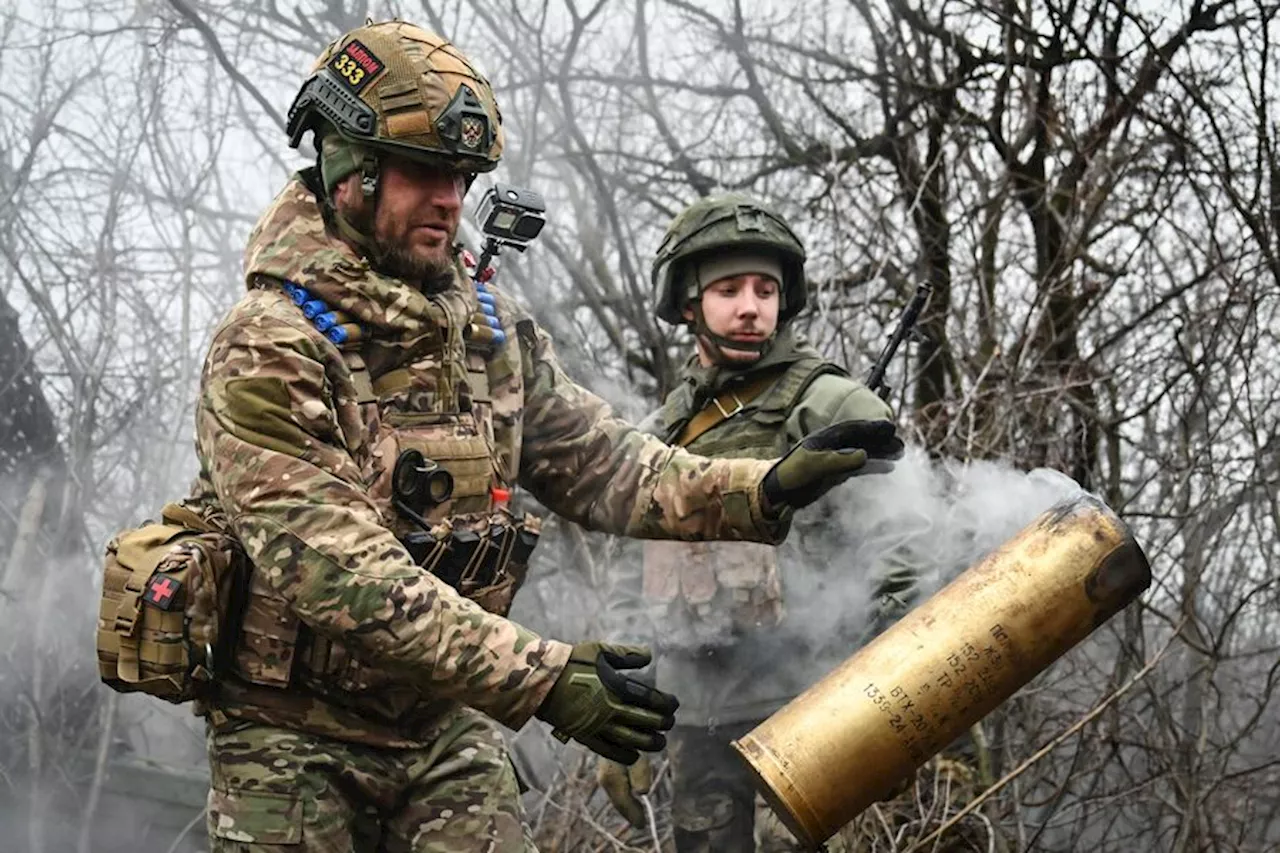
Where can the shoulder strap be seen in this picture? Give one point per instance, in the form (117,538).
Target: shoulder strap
(818,368)
(349,351)
(798,375)
(725,405)
(359,376)
(668,419)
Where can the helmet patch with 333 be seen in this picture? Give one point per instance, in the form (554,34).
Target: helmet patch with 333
(356,66)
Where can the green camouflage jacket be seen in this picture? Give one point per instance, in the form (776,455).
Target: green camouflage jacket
(344,635)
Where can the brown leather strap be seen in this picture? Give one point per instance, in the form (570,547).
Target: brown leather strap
(724,406)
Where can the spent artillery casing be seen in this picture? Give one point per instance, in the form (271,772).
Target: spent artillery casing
(849,740)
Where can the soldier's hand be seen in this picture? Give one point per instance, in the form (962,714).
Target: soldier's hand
(623,785)
(609,713)
(828,457)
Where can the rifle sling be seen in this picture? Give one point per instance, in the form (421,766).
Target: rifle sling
(725,405)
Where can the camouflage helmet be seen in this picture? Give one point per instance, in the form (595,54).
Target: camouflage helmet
(400,89)
(717,224)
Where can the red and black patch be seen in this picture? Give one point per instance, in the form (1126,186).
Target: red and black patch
(356,66)
(164,592)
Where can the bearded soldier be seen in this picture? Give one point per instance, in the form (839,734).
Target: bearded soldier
(364,412)
(733,271)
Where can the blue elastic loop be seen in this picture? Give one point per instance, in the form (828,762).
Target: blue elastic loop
(486,298)
(299,295)
(291,288)
(489,310)
(499,337)
(494,323)
(337,334)
(313,308)
(480,288)
(325,321)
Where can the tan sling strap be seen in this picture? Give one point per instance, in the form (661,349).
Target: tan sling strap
(725,405)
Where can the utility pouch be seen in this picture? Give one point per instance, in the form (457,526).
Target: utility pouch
(172,596)
(485,559)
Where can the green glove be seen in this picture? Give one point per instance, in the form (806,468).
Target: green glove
(604,710)
(828,457)
(624,784)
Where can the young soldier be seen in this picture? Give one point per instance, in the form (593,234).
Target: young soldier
(733,271)
(364,411)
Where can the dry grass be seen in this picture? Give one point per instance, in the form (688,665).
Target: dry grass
(574,817)
(942,787)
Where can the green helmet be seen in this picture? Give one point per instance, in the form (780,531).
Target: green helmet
(400,89)
(715,224)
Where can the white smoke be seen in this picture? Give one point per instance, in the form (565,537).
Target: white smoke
(944,515)
(921,525)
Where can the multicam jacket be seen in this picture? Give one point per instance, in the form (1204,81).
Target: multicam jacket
(738,637)
(344,634)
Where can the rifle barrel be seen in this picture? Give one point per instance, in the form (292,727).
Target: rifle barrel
(906,322)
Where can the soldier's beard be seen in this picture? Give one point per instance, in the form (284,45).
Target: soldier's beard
(432,273)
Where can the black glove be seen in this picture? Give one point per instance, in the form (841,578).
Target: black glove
(607,712)
(828,457)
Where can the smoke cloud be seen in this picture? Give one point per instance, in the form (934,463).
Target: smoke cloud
(946,514)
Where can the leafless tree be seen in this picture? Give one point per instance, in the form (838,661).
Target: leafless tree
(1091,190)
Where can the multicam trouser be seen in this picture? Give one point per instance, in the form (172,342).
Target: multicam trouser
(715,808)
(277,790)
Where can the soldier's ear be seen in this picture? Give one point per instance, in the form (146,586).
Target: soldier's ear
(346,192)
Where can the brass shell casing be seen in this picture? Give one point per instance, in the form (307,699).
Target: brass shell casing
(850,740)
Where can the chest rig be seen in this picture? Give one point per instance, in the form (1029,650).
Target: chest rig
(439,449)
(443,462)
(707,594)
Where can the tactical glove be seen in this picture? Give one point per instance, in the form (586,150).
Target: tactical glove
(623,785)
(607,712)
(828,457)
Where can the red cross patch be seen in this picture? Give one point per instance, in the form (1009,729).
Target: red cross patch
(164,592)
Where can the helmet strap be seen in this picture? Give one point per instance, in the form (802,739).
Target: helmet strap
(717,344)
(357,237)
(370,189)
(370,185)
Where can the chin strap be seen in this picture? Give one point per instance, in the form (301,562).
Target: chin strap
(717,344)
(370,188)
(353,235)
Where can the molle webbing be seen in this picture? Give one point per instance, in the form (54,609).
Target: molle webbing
(279,652)
(171,592)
